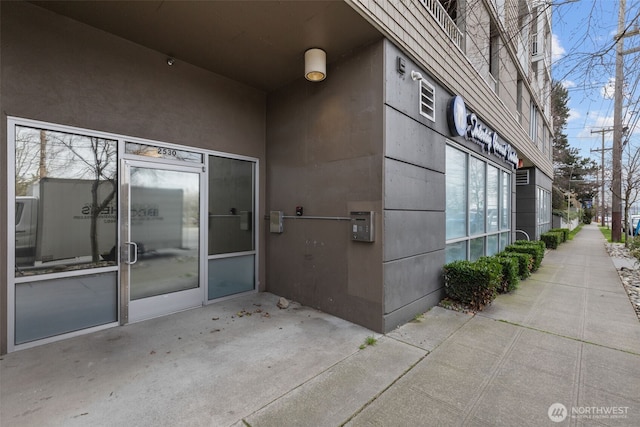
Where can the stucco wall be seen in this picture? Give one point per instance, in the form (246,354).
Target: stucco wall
(57,70)
(414,194)
(324,153)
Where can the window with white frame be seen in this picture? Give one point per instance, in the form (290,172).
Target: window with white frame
(533,122)
(494,55)
(543,211)
(519,99)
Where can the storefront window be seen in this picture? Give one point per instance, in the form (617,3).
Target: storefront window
(505,201)
(45,308)
(66,204)
(504,240)
(492,244)
(543,213)
(231,239)
(477,185)
(478,206)
(476,247)
(456,197)
(493,195)
(456,251)
(230,205)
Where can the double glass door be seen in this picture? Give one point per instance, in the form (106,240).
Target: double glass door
(161,240)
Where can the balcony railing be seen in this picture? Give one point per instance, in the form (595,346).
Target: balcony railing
(443,19)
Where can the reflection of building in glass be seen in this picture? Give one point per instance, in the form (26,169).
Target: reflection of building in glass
(60,222)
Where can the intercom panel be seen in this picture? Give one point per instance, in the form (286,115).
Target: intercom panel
(362,226)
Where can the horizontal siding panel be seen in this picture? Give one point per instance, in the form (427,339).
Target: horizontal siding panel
(409,141)
(409,187)
(411,233)
(410,279)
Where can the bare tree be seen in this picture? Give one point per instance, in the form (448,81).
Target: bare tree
(95,159)
(34,158)
(631,179)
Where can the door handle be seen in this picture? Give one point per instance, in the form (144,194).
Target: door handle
(135,253)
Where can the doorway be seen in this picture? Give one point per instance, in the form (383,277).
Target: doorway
(161,269)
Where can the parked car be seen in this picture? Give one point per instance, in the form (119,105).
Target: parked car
(633,222)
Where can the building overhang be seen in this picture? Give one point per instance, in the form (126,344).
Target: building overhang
(259,43)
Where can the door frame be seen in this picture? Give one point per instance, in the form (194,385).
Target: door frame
(164,304)
(122,299)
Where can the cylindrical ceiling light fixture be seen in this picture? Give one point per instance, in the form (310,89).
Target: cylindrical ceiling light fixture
(315,65)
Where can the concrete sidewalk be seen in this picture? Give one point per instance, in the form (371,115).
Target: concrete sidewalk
(567,336)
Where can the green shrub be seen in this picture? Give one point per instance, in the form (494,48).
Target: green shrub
(472,283)
(565,233)
(524,260)
(530,242)
(552,239)
(510,273)
(535,249)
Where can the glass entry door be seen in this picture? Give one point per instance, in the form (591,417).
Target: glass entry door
(161,240)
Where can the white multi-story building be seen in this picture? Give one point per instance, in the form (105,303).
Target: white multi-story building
(164,155)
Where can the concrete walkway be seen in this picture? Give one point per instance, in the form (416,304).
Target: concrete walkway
(567,341)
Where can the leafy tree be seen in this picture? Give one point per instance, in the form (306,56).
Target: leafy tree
(572,172)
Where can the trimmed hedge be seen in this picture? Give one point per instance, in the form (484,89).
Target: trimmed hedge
(534,248)
(472,283)
(552,239)
(510,273)
(530,242)
(565,233)
(524,260)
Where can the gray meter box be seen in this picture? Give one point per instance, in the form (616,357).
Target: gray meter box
(362,226)
(275,221)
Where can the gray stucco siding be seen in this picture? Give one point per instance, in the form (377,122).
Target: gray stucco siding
(409,279)
(411,233)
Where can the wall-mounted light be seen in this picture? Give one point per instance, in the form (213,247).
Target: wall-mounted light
(315,65)
(416,75)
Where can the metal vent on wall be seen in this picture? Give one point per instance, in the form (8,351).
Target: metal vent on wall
(427,100)
(522,177)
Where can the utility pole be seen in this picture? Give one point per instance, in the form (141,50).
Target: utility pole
(616,182)
(602,150)
(616,185)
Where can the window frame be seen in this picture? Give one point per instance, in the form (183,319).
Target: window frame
(503,188)
(12,280)
(533,122)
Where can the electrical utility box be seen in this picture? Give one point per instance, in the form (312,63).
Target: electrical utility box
(362,226)
(275,221)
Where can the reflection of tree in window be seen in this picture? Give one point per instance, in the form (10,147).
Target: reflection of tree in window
(506,201)
(49,154)
(456,193)
(34,158)
(493,195)
(476,195)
